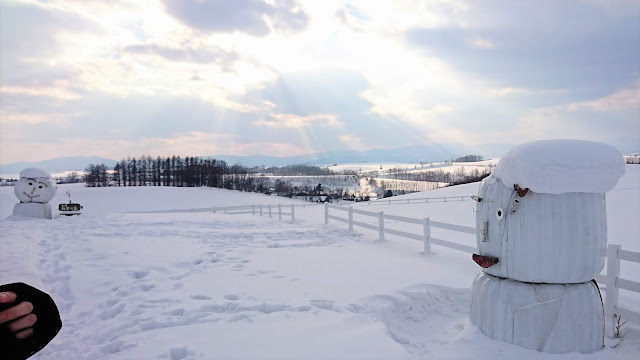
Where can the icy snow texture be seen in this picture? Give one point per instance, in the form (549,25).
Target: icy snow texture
(551,318)
(547,239)
(562,166)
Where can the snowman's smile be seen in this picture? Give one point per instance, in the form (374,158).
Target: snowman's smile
(29,195)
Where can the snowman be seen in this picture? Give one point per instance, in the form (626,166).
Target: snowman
(35,189)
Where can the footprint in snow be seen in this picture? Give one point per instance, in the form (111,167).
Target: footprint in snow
(139,274)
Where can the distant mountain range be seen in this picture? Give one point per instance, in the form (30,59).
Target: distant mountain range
(413,154)
(70,163)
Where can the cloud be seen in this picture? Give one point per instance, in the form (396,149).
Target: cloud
(55,92)
(187,54)
(626,99)
(254,17)
(296,121)
(612,119)
(326,91)
(525,45)
(482,43)
(29,37)
(352,17)
(353,142)
(510,91)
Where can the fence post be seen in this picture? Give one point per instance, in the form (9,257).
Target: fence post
(427,236)
(427,200)
(381,226)
(326,213)
(613,272)
(445,199)
(253,209)
(260,209)
(350,219)
(269,210)
(293,213)
(214,209)
(279,212)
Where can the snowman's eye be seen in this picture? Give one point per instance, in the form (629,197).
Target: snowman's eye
(40,186)
(30,183)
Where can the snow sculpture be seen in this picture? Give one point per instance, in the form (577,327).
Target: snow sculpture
(541,238)
(542,230)
(34,189)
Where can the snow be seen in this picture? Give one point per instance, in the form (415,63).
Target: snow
(562,166)
(34,173)
(204,285)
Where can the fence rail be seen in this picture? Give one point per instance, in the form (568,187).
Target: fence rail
(614,283)
(424,236)
(611,280)
(388,201)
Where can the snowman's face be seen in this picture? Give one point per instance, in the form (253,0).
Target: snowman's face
(35,190)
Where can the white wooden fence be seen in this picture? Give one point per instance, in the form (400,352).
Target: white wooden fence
(425,236)
(267,210)
(389,201)
(612,281)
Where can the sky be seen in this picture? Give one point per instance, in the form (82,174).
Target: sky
(118,78)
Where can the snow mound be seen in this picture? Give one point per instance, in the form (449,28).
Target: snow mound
(34,173)
(562,166)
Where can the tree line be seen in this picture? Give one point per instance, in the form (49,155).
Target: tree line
(169,171)
(195,171)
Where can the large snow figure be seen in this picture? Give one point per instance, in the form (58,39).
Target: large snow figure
(34,189)
(542,233)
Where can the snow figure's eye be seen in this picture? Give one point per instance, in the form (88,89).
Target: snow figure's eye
(499,213)
(30,183)
(40,186)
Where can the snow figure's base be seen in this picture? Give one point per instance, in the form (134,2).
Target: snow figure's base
(33,210)
(552,318)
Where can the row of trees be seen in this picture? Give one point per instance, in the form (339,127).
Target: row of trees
(632,159)
(170,171)
(195,171)
(469,158)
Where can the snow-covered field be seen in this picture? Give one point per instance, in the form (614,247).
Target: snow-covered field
(448,167)
(205,286)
